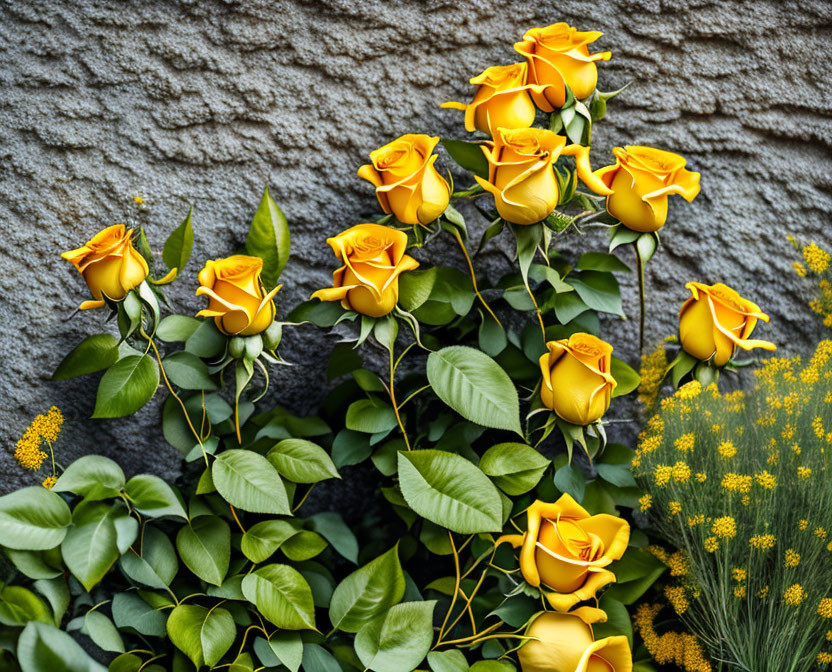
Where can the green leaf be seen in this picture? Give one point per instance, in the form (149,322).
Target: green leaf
(415,288)
(617,474)
(284,647)
(493,666)
(598,290)
(621,235)
(33,519)
(100,629)
(626,377)
(599,261)
(303,546)
(681,365)
(94,353)
(43,647)
(126,386)
(205,547)
(367,592)
(268,238)
(130,612)
(475,386)
(571,480)
(128,662)
(37,564)
(302,461)
(179,244)
(467,155)
(188,371)
(282,595)
(450,491)
(618,620)
(262,539)
(91,549)
(93,477)
(322,314)
(515,467)
(646,245)
(370,416)
(332,527)
(399,640)
(448,661)
(175,328)
(153,497)
(18,606)
(491,336)
(568,306)
(157,565)
(317,659)
(349,448)
(201,634)
(634,573)
(206,341)
(248,481)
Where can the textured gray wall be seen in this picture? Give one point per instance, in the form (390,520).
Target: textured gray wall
(203,102)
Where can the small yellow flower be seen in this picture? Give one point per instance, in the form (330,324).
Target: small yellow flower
(645,501)
(763,592)
(737,483)
(796,449)
(689,390)
(663,473)
(829,635)
(817,427)
(794,595)
(762,542)
(824,657)
(800,269)
(49,481)
(724,527)
(739,574)
(684,443)
(675,508)
(701,477)
(676,596)
(803,524)
(698,519)
(711,544)
(825,608)
(739,591)
(677,563)
(820,533)
(792,558)
(681,472)
(138,200)
(816,258)
(746,500)
(766,480)
(727,449)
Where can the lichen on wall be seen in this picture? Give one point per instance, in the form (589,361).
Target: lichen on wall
(205,102)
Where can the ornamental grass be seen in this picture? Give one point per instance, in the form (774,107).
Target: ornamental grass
(740,483)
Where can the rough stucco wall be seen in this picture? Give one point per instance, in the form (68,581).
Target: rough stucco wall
(204,102)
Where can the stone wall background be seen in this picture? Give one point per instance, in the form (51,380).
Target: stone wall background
(205,101)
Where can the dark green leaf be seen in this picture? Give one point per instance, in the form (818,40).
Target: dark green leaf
(467,155)
(94,353)
(268,238)
(205,547)
(179,244)
(126,386)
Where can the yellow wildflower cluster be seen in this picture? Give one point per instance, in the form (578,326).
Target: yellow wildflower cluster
(43,428)
(802,524)
(49,481)
(817,259)
(663,473)
(737,483)
(727,449)
(674,508)
(799,268)
(681,649)
(677,598)
(689,390)
(685,442)
(825,609)
(680,472)
(698,519)
(762,542)
(791,558)
(676,561)
(653,368)
(763,592)
(700,476)
(766,480)
(711,544)
(794,595)
(739,574)
(824,658)
(804,472)
(740,591)
(644,502)
(724,527)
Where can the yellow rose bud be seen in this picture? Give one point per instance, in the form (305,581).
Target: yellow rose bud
(373,258)
(716,320)
(406,181)
(520,173)
(558,55)
(565,643)
(501,101)
(110,265)
(641,180)
(565,551)
(237,299)
(577,383)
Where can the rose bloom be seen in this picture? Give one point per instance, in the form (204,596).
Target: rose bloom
(577,383)
(406,181)
(520,173)
(565,552)
(503,100)
(565,643)
(373,258)
(558,55)
(110,265)
(237,299)
(716,320)
(641,180)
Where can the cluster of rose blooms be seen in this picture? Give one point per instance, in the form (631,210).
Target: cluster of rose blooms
(565,550)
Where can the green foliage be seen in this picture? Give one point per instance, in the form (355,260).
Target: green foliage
(268,238)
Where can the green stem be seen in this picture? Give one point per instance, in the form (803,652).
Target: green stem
(641,302)
(393,399)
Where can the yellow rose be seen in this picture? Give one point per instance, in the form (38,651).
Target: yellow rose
(406,181)
(558,55)
(501,101)
(565,643)
(565,550)
(716,320)
(577,383)
(641,180)
(110,265)
(520,173)
(237,300)
(373,258)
